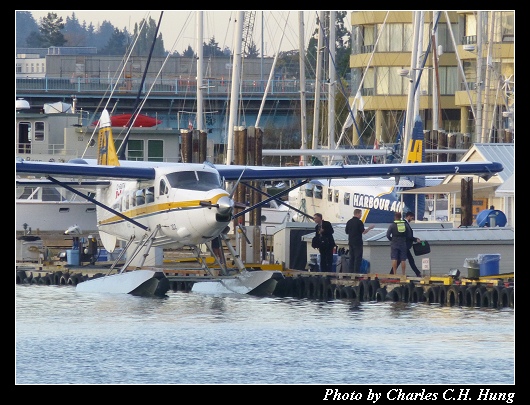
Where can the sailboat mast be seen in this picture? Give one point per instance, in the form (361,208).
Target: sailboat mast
(487,113)
(418,65)
(409,117)
(303,124)
(318,77)
(234,99)
(199,71)
(478,118)
(332,75)
(436,108)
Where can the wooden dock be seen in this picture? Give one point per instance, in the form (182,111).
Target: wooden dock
(495,291)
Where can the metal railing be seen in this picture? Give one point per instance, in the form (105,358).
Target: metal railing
(171,86)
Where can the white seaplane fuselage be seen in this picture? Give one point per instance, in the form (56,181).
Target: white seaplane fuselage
(190,206)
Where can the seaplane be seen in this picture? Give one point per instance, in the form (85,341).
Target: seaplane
(150,204)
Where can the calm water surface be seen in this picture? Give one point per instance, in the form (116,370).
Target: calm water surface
(65,337)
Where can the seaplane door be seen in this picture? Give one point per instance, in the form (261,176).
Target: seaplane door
(162,196)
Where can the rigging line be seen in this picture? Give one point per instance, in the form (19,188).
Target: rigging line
(125,59)
(450,29)
(136,110)
(326,39)
(271,74)
(362,80)
(426,55)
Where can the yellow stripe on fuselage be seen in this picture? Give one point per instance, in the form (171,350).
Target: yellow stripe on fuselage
(155,208)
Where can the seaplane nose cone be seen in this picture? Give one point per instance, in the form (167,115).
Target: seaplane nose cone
(226,205)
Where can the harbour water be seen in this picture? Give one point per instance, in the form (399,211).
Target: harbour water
(66,337)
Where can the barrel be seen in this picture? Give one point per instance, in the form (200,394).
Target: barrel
(72,257)
(489,264)
(473,268)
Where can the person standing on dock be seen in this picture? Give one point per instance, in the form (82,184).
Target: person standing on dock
(409,216)
(398,233)
(325,231)
(355,230)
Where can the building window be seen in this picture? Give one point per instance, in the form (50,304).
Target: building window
(135,150)
(507,32)
(39,131)
(155,150)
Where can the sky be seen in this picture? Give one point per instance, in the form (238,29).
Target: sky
(280,28)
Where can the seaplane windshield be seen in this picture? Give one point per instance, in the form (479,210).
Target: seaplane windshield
(194,180)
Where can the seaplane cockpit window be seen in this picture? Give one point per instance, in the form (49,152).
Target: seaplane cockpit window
(330,195)
(346,198)
(318,192)
(194,180)
(126,202)
(140,198)
(149,195)
(163,187)
(309,190)
(336,196)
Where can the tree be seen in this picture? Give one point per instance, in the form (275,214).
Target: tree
(102,35)
(117,44)
(342,45)
(211,49)
(74,33)
(145,39)
(189,52)
(252,51)
(50,31)
(25,25)
(288,65)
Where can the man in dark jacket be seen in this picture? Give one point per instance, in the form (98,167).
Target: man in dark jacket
(325,231)
(355,230)
(409,216)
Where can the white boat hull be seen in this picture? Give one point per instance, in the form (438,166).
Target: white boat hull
(55,216)
(260,283)
(137,282)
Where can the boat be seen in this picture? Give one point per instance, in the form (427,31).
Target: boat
(42,208)
(141,120)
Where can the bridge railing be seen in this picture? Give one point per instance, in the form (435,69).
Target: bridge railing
(171,86)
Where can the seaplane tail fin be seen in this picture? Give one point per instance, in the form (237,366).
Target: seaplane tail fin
(106,150)
(416,154)
(416,146)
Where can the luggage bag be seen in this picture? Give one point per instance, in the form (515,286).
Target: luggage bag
(421,248)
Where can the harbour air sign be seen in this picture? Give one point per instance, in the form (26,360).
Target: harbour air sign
(384,202)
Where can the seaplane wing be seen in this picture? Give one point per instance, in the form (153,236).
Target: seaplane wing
(146,170)
(233,172)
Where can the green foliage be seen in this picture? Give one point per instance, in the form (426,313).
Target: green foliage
(25,25)
(145,39)
(252,50)
(49,32)
(117,44)
(211,49)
